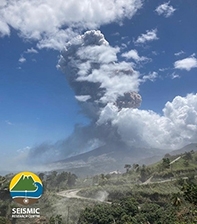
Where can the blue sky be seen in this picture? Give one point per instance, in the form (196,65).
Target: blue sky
(158,39)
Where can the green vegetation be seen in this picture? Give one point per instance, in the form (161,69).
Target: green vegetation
(127,211)
(168,195)
(164,192)
(180,165)
(58,181)
(152,205)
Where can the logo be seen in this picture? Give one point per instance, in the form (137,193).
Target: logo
(26,188)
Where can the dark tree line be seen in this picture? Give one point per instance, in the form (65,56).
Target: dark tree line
(58,181)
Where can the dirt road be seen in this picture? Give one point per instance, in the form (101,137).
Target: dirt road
(72,193)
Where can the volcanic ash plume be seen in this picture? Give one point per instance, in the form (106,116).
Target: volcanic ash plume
(106,90)
(129,100)
(100,82)
(103,87)
(92,70)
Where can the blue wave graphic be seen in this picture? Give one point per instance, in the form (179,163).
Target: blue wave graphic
(28,194)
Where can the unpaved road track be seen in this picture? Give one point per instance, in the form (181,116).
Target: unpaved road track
(72,193)
(175,160)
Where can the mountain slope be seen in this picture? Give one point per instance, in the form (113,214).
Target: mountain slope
(112,157)
(187,148)
(107,158)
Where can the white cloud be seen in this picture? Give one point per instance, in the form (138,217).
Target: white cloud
(175,75)
(179,53)
(22,59)
(135,56)
(165,9)
(186,63)
(83,98)
(8,122)
(175,128)
(150,35)
(116,78)
(108,113)
(123,46)
(4,28)
(155,53)
(163,69)
(31,51)
(151,76)
(24,150)
(56,39)
(116,34)
(49,19)
(91,59)
(2,3)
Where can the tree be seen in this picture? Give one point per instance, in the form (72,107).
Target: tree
(102,179)
(144,173)
(129,205)
(54,173)
(127,167)
(166,163)
(167,155)
(62,177)
(136,167)
(186,163)
(190,193)
(71,179)
(187,156)
(189,214)
(41,176)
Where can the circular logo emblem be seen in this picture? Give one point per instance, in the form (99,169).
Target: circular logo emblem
(26,188)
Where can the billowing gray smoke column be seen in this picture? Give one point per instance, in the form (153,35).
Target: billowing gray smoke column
(102,87)
(91,67)
(97,79)
(129,100)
